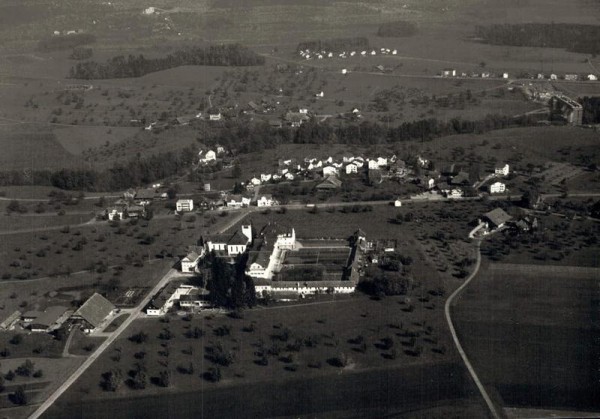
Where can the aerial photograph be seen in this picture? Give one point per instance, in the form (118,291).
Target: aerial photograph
(299,209)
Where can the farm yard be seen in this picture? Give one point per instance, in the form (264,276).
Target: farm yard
(538,325)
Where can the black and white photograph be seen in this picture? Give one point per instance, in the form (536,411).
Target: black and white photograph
(299,209)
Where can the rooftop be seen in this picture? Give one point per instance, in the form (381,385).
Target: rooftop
(95,309)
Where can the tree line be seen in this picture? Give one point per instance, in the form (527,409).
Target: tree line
(251,138)
(61,42)
(591,110)
(135,172)
(570,36)
(137,66)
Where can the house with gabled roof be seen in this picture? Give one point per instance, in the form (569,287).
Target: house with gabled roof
(331,182)
(190,261)
(93,312)
(496,218)
(230,243)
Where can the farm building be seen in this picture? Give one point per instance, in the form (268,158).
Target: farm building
(10,320)
(93,312)
(184,205)
(329,171)
(48,320)
(449,72)
(496,218)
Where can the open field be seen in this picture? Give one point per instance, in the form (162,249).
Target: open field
(531,332)
(348,317)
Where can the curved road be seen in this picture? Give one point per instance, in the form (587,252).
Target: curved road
(488,401)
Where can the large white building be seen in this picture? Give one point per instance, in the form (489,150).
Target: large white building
(189,263)
(232,244)
(497,187)
(184,205)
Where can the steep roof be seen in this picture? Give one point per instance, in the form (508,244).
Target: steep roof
(192,256)
(95,309)
(330,182)
(497,216)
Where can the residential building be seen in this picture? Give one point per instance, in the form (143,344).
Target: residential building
(496,218)
(331,182)
(397,203)
(255,181)
(351,169)
(329,171)
(503,170)
(592,77)
(449,72)
(190,261)
(265,201)
(196,298)
(115,214)
(571,77)
(497,187)
(93,313)
(215,116)
(265,177)
(373,164)
(184,205)
(237,201)
(455,193)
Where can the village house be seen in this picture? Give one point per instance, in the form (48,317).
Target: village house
(495,218)
(503,170)
(449,72)
(428,182)
(265,177)
(190,261)
(351,169)
(372,165)
(571,77)
(215,116)
(289,176)
(115,214)
(398,203)
(255,181)
(329,170)
(166,298)
(184,205)
(455,193)
(93,313)
(497,187)
(592,77)
(237,201)
(231,244)
(265,201)
(331,182)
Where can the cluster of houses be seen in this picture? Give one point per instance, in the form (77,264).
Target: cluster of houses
(307,54)
(451,72)
(94,314)
(451,180)
(498,219)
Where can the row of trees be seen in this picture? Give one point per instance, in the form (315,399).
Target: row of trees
(248,138)
(591,110)
(135,172)
(137,66)
(573,37)
(229,285)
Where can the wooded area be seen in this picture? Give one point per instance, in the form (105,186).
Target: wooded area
(137,66)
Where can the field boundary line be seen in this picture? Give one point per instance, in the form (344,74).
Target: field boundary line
(463,355)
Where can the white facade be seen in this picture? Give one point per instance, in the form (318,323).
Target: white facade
(184,205)
(382,161)
(236,249)
(265,177)
(115,214)
(351,168)
(255,181)
(210,156)
(497,187)
(455,193)
(329,170)
(215,116)
(373,164)
(592,77)
(265,201)
(504,170)
(397,203)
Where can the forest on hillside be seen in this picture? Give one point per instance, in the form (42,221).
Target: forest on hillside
(136,66)
(572,37)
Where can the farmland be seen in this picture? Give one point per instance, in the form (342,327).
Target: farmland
(530,331)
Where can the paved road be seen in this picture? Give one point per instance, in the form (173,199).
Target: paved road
(490,404)
(88,362)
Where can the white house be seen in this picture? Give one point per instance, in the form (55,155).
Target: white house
(502,170)
(422,162)
(449,72)
(320,94)
(455,193)
(428,182)
(189,263)
(265,177)
(504,75)
(329,170)
(184,205)
(373,164)
(215,116)
(382,161)
(238,201)
(233,244)
(289,176)
(255,181)
(351,168)
(497,187)
(265,201)
(592,77)
(553,77)
(114,214)
(397,203)
(209,156)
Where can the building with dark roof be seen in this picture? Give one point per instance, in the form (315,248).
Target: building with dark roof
(496,218)
(50,319)
(93,312)
(331,182)
(232,244)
